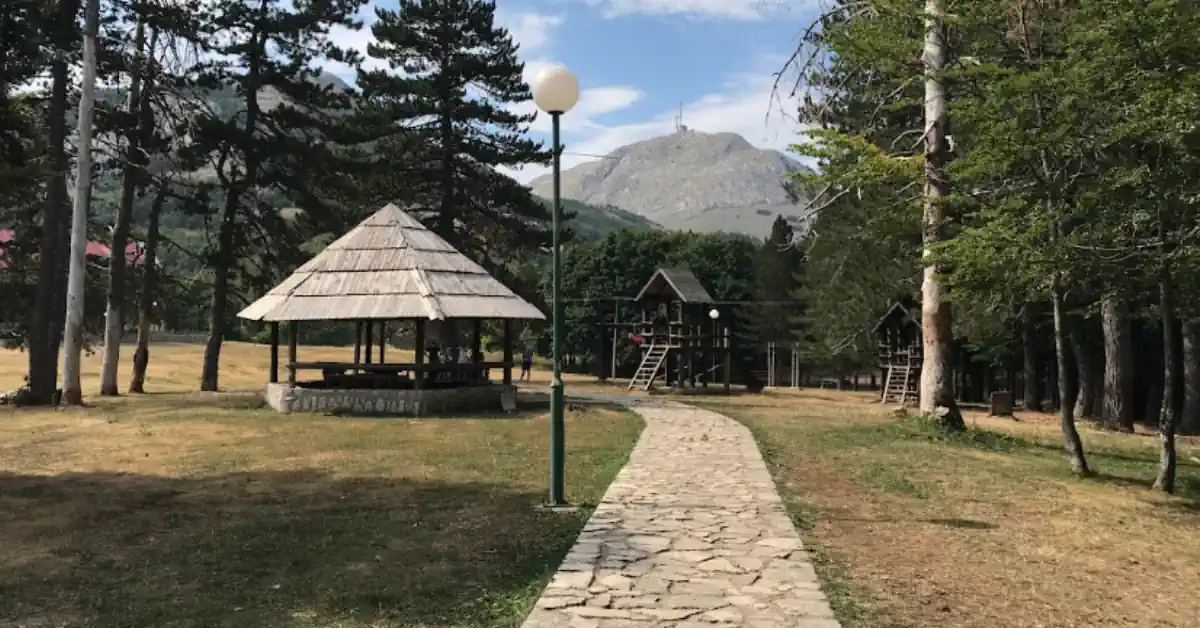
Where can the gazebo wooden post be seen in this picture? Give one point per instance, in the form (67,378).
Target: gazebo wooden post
(368,343)
(508,352)
(477,346)
(357,344)
(293,340)
(382,339)
(274,374)
(419,353)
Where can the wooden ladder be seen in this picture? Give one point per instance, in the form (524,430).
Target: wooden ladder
(652,363)
(900,385)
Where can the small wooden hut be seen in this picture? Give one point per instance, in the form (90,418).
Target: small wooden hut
(680,341)
(900,353)
(390,269)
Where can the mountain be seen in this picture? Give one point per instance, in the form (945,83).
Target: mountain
(593,222)
(688,180)
(590,221)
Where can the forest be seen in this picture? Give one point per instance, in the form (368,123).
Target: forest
(1022,169)
(1026,170)
(220,151)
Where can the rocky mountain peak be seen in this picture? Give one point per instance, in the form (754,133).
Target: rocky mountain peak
(688,180)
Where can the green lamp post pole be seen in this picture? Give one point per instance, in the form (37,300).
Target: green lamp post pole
(556,90)
(557,397)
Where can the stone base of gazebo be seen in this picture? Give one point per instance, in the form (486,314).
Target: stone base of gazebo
(410,402)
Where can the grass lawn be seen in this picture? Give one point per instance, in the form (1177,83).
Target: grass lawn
(986,530)
(207,510)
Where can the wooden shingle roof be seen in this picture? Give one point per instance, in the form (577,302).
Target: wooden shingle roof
(390,267)
(676,283)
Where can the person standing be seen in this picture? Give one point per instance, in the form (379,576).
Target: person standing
(526,364)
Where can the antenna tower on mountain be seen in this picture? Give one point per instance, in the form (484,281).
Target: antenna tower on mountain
(679,125)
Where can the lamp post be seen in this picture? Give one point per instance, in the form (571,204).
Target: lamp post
(555,91)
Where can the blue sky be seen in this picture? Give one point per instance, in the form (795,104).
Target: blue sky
(639,60)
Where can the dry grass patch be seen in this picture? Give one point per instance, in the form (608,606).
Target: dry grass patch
(188,509)
(985,529)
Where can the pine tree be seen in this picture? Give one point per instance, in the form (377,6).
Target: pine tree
(447,113)
(258,46)
(775,278)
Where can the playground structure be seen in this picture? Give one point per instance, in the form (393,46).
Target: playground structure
(773,376)
(682,336)
(899,355)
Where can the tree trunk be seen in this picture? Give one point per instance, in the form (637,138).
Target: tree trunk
(210,373)
(1118,411)
(1085,395)
(937,385)
(1190,417)
(141,355)
(134,163)
(1066,418)
(1033,389)
(1168,417)
(77,277)
(47,320)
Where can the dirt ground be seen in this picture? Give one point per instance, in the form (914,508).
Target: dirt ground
(986,530)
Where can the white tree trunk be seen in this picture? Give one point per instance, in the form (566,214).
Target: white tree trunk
(937,384)
(73,333)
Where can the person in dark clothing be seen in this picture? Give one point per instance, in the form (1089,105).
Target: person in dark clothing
(526,364)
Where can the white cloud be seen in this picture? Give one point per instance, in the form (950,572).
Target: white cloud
(725,9)
(598,101)
(747,107)
(355,40)
(531,30)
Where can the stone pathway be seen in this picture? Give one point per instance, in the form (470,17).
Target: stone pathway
(691,533)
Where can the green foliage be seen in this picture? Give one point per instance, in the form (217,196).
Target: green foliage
(446,113)
(776,275)
(620,263)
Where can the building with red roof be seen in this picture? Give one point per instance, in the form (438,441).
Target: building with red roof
(134,251)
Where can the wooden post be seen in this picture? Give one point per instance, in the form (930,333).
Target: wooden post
(508,352)
(601,370)
(382,339)
(612,365)
(477,346)
(368,343)
(274,376)
(358,333)
(293,340)
(419,352)
(728,356)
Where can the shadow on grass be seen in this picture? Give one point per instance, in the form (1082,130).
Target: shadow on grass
(271,549)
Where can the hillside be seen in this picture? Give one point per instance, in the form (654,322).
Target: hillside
(592,222)
(688,180)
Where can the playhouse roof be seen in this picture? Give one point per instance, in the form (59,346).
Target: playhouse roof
(677,281)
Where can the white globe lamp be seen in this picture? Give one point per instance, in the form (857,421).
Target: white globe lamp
(555,89)
(714,314)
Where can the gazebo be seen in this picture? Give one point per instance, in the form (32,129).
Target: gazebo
(390,269)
